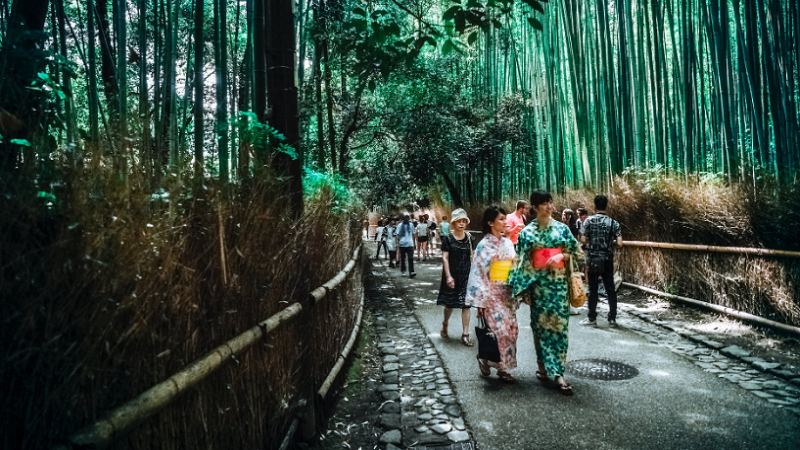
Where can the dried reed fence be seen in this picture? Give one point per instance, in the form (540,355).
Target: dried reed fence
(125,418)
(107,294)
(707,215)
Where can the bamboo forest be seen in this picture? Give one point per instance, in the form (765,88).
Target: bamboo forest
(179,178)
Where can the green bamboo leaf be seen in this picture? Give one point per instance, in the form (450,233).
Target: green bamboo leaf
(451,12)
(535,5)
(472,38)
(22,142)
(535,23)
(360,12)
(447,47)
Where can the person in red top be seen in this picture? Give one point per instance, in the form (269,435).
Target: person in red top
(515,222)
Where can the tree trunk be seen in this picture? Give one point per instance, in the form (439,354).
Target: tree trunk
(144,102)
(21,58)
(221,60)
(199,47)
(282,94)
(451,187)
(122,89)
(94,119)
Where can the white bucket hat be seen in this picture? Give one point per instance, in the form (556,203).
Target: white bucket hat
(458,215)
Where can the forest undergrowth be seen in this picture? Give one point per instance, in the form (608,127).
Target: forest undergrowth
(107,291)
(703,212)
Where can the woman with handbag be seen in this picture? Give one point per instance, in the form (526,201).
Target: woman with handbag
(543,251)
(488,290)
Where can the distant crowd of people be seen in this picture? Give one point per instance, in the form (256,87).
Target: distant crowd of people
(522,257)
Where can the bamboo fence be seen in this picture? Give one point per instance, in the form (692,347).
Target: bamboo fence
(721,309)
(128,416)
(715,249)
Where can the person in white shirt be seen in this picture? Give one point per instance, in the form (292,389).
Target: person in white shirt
(391,241)
(381,241)
(422,238)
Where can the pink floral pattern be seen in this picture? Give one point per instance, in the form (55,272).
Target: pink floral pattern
(500,309)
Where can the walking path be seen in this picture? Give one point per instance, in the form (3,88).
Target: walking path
(684,393)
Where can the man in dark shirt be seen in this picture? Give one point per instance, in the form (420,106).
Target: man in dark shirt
(601,233)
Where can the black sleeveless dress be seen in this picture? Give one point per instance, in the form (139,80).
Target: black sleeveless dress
(460,259)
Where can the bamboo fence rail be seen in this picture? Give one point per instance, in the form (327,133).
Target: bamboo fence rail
(128,416)
(715,249)
(722,309)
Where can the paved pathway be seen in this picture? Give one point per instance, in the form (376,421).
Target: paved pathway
(688,394)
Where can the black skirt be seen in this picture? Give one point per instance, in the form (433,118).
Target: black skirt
(460,259)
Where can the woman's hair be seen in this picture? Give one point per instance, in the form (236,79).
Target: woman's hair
(490,215)
(539,197)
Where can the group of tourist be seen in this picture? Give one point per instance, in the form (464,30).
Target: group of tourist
(406,236)
(522,260)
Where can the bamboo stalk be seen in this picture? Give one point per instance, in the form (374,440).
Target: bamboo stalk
(731,312)
(715,249)
(326,385)
(128,416)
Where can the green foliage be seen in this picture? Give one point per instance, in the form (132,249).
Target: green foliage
(317,185)
(262,135)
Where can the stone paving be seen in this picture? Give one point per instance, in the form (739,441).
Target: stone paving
(765,380)
(420,406)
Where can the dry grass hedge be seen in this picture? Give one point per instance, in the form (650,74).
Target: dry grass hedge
(106,294)
(709,213)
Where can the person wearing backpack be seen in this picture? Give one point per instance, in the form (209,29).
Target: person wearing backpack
(601,233)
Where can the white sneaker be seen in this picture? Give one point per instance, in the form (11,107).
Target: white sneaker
(589,322)
(573,311)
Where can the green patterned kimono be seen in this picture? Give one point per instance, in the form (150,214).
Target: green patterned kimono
(548,291)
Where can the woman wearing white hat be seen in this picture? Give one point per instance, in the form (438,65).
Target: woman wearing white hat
(456,262)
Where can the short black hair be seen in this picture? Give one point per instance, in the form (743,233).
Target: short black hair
(490,215)
(539,197)
(582,212)
(600,202)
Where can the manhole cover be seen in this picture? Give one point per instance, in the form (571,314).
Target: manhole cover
(601,369)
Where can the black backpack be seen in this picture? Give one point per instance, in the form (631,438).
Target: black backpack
(597,258)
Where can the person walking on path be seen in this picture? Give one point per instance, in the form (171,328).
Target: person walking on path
(600,233)
(456,262)
(515,222)
(422,238)
(488,290)
(391,240)
(407,240)
(380,236)
(444,229)
(431,232)
(543,249)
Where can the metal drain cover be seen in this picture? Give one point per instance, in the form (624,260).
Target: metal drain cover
(601,369)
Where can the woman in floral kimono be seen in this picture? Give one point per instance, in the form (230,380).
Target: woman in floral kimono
(488,290)
(543,250)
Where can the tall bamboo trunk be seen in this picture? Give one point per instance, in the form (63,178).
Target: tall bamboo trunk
(144,100)
(282,94)
(221,69)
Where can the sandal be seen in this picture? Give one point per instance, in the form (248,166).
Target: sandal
(542,376)
(505,376)
(565,389)
(485,369)
(443,333)
(465,340)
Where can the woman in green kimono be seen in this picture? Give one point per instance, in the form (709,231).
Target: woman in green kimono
(543,250)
